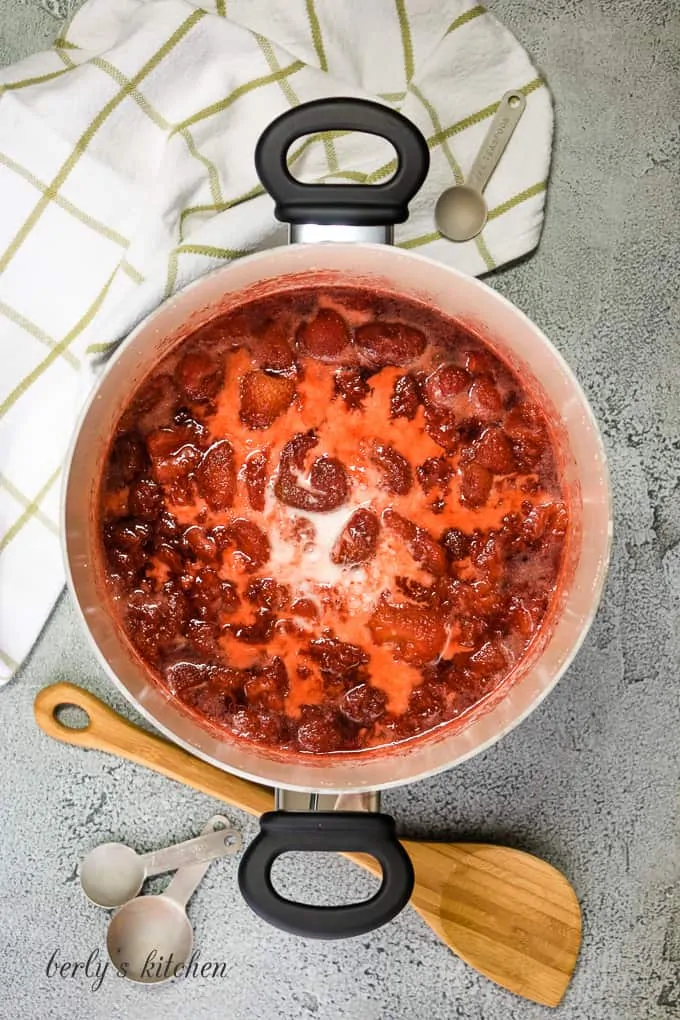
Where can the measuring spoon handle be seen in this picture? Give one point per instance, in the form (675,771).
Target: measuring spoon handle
(192,851)
(510,109)
(185,883)
(187,879)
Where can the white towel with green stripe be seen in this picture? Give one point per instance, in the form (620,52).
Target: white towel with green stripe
(126,171)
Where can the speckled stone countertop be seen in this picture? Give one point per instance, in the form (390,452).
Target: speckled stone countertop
(590,781)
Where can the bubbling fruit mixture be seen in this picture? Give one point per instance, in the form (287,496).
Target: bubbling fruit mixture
(331,520)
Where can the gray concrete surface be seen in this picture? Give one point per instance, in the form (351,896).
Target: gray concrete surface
(590,781)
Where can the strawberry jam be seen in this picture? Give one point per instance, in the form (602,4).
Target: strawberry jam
(332,520)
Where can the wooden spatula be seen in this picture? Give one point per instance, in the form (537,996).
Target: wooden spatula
(508,914)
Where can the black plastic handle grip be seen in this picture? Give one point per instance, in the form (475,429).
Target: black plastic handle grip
(281,831)
(350,204)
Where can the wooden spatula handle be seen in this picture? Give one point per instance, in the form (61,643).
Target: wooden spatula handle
(107,731)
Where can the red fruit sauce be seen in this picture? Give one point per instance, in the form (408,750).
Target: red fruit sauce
(332,520)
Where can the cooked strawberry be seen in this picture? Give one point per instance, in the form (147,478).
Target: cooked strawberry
(155,391)
(145,499)
(216,475)
(203,636)
(199,376)
(389,343)
(363,704)
(268,686)
(168,529)
(423,546)
(272,348)
(256,478)
(164,441)
(329,483)
(359,538)
(255,724)
(306,609)
(480,362)
(396,471)
(456,543)
(525,614)
(209,702)
(485,399)
(335,656)
(210,595)
(434,473)
(264,397)
(199,543)
(475,484)
(478,592)
(251,545)
(493,450)
(405,398)
(487,660)
(179,676)
(267,594)
(153,620)
(175,450)
(256,633)
(524,417)
(462,686)
(442,426)
(188,425)
(128,545)
(525,426)
(351,387)
(325,337)
(444,384)
(549,520)
(174,466)
(227,680)
(416,634)
(170,557)
(426,701)
(417,592)
(319,732)
(127,461)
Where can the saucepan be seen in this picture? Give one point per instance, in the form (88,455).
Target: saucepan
(342,233)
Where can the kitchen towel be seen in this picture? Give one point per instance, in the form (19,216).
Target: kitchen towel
(126,170)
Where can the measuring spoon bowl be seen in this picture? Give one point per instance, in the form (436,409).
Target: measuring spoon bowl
(111,874)
(150,939)
(461,211)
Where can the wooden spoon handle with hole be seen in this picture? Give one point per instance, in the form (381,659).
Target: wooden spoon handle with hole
(511,916)
(108,731)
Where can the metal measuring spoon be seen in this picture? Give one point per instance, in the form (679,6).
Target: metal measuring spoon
(113,873)
(461,211)
(150,938)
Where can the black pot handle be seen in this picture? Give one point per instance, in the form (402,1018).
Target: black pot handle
(281,831)
(351,204)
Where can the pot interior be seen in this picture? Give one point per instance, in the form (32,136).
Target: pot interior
(542,371)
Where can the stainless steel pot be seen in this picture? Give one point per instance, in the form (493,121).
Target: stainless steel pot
(350,227)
